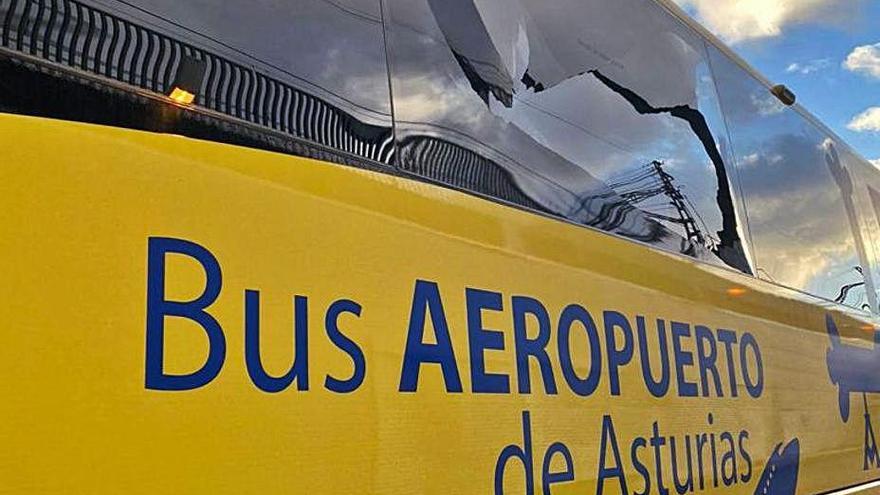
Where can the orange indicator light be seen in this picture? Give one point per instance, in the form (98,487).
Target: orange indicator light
(182,96)
(736,292)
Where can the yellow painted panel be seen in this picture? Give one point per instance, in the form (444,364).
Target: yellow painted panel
(80,207)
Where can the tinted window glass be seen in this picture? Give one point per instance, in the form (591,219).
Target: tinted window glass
(331,48)
(866,198)
(308,69)
(603,113)
(799,192)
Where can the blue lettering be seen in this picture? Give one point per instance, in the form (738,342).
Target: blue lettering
(728,460)
(728,338)
(426,298)
(707,359)
(570,315)
(158,308)
(640,443)
(754,387)
(609,438)
(657,442)
(714,452)
(524,454)
(617,356)
(535,348)
(744,452)
(483,339)
(299,371)
(345,344)
(658,388)
(686,486)
(683,359)
(550,478)
(702,439)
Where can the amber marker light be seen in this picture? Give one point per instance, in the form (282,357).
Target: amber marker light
(190,75)
(868,328)
(182,96)
(736,292)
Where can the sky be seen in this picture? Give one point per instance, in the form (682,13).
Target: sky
(826,51)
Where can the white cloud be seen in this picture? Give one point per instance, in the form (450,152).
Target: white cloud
(810,67)
(865,59)
(876,162)
(867,121)
(739,20)
(767,105)
(750,160)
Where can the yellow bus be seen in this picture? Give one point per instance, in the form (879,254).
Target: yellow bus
(423,246)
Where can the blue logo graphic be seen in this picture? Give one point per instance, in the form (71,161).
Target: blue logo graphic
(853,369)
(781,473)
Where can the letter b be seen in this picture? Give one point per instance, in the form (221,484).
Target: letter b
(158,308)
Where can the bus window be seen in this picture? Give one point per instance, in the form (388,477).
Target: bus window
(799,193)
(303,76)
(602,113)
(866,196)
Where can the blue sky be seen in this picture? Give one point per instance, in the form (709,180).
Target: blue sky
(827,51)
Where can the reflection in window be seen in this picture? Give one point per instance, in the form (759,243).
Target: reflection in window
(866,202)
(798,191)
(603,113)
(311,70)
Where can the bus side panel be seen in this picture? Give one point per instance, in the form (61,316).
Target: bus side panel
(188,317)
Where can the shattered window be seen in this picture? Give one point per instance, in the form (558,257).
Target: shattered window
(602,113)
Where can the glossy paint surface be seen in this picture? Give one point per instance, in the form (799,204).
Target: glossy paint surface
(83,204)
(618,264)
